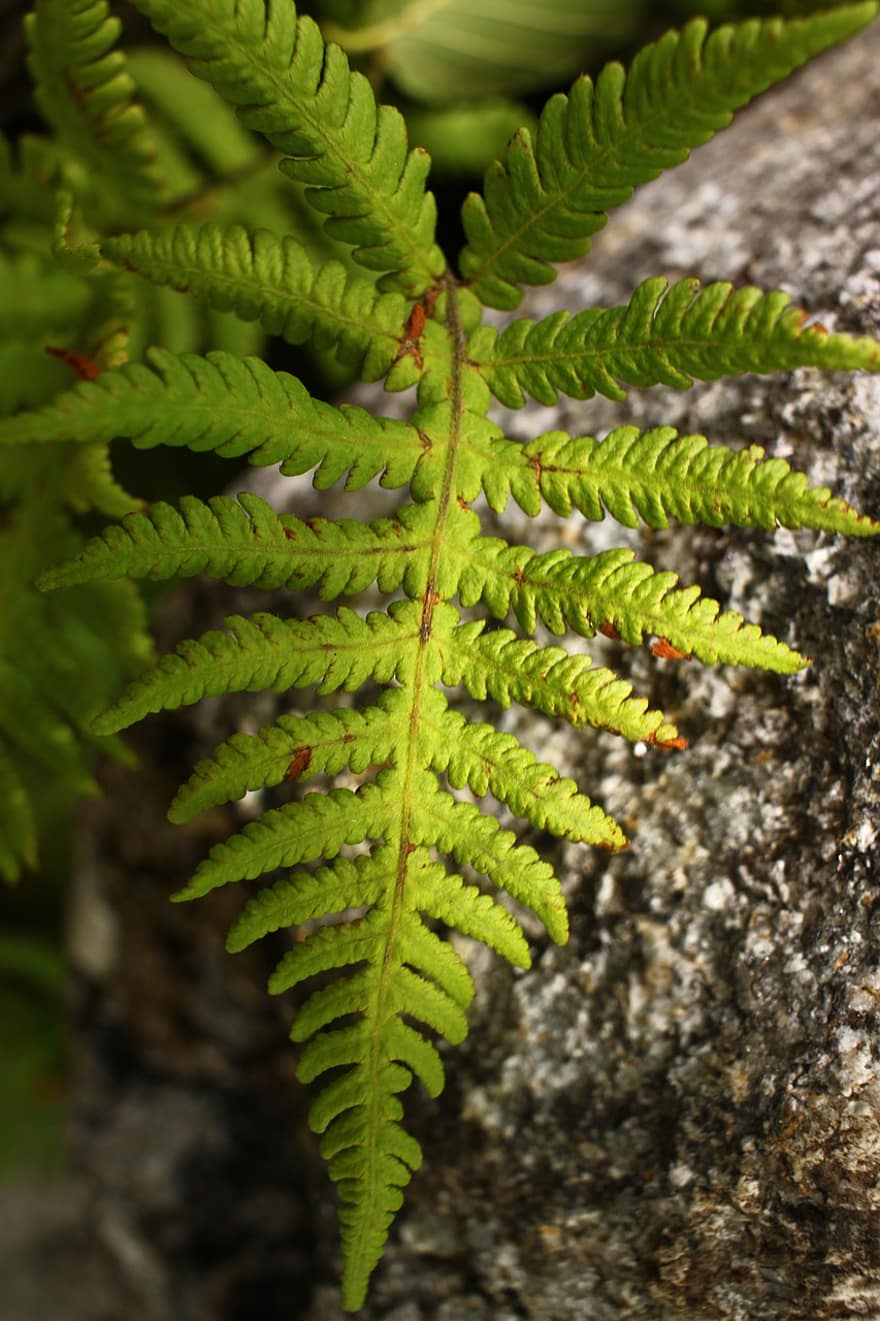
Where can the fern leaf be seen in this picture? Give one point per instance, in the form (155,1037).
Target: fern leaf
(295,747)
(663,336)
(507,668)
(315,828)
(594,145)
(304,98)
(658,475)
(488,761)
(345,883)
(371,1157)
(232,407)
(245,543)
(272,280)
(488,461)
(89,484)
(82,87)
(351,884)
(472,838)
(630,600)
(404,971)
(33,725)
(466,908)
(265,652)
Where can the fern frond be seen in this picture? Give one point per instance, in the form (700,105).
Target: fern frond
(245,543)
(350,884)
(304,98)
(487,461)
(658,475)
(345,883)
(628,599)
(82,87)
(265,652)
(508,668)
(663,336)
(462,907)
(406,970)
(471,838)
(594,145)
(89,484)
(234,407)
(315,828)
(295,747)
(490,762)
(372,866)
(261,277)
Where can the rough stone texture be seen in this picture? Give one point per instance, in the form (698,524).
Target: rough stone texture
(676,1115)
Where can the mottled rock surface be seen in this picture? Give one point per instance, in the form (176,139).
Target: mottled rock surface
(678,1114)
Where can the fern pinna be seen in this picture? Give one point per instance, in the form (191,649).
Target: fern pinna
(392,304)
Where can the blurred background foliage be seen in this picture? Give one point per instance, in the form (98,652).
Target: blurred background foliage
(465,73)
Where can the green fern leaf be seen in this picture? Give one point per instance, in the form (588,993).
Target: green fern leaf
(346,883)
(236,408)
(487,761)
(658,475)
(285,836)
(265,652)
(407,970)
(593,146)
(472,838)
(262,278)
(507,668)
(372,866)
(82,87)
(246,543)
(304,98)
(295,747)
(625,599)
(663,336)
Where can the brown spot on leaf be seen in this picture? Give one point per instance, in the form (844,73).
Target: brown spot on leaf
(300,763)
(665,651)
(85,369)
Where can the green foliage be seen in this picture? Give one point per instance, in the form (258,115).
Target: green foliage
(593,146)
(83,89)
(663,336)
(304,98)
(60,663)
(117,159)
(375,864)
